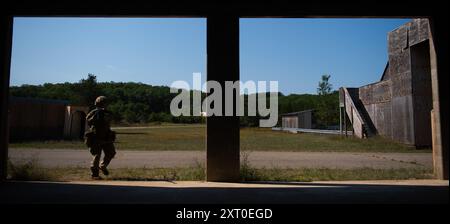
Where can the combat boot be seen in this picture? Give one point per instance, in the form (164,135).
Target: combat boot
(95,173)
(104,170)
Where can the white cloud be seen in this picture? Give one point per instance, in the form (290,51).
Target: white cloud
(111,67)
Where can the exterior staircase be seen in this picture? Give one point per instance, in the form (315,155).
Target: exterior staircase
(356,112)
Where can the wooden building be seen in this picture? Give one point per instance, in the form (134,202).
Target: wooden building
(44,119)
(399,106)
(301,119)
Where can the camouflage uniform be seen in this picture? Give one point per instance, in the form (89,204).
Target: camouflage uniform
(99,122)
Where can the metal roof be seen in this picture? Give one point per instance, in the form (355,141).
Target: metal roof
(297,113)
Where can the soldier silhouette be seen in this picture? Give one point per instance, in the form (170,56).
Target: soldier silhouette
(100,137)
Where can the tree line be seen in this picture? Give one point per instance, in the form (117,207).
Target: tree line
(133,103)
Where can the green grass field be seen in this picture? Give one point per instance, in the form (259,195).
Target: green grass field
(192,137)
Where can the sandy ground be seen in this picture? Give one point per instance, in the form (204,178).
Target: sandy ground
(124,158)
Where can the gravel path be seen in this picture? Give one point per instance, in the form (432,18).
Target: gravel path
(344,160)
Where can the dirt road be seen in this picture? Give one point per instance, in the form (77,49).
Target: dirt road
(344,160)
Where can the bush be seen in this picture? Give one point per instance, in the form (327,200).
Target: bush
(247,172)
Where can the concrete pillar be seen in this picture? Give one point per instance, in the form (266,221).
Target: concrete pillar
(439,73)
(222,132)
(6,24)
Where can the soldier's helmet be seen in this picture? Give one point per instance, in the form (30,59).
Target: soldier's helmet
(101,101)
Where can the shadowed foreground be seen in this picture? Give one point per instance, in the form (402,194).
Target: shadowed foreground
(186,192)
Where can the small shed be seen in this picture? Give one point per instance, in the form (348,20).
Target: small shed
(301,119)
(45,119)
(75,122)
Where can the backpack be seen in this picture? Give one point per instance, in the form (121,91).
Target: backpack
(90,138)
(92,117)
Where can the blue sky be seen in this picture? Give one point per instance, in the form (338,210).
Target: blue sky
(295,52)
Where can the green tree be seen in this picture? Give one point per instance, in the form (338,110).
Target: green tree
(325,86)
(327,112)
(132,102)
(87,90)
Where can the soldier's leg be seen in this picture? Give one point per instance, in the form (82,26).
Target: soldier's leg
(110,152)
(96,152)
